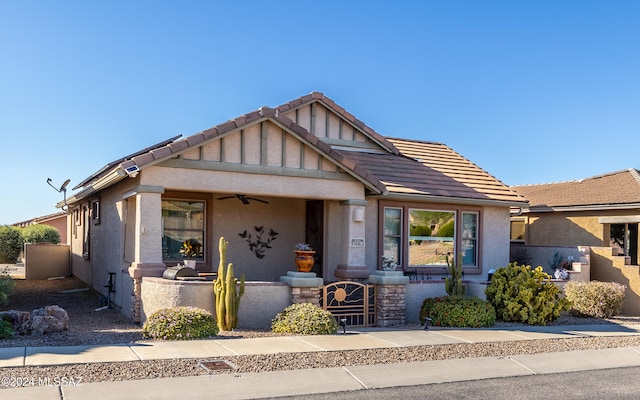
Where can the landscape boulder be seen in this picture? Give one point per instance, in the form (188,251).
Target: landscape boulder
(46,320)
(15,318)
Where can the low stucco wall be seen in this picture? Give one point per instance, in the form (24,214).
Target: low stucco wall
(261,302)
(46,260)
(416,292)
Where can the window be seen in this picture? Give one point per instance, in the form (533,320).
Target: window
(392,233)
(469,239)
(431,237)
(517,229)
(182,220)
(86,219)
(419,236)
(95,211)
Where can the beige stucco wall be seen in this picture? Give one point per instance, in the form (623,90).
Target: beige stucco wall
(565,229)
(284,216)
(255,184)
(46,260)
(261,302)
(495,240)
(107,246)
(608,268)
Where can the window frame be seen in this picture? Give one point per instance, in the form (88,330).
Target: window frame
(206,245)
(458,210)
(86,230)
(523,220)
(95,211)
(410,211)
(399,259)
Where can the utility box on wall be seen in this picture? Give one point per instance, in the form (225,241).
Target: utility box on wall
(46,260)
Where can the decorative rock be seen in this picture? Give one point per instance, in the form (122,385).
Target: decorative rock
(16,318)
(46,320)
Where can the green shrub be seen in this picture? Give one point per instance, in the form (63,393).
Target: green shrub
(39,233)
(305,319)
(595,299)
(458,311)
(521,294)
(180,323)
(419,230)
(6,286)
(10,244)
(6,330)
(447,229)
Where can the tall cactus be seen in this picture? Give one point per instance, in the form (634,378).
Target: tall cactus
(227,299)
(453,283)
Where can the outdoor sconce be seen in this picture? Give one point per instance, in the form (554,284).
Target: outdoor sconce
(358,214)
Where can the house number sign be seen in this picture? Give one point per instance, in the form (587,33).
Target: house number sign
(356,242)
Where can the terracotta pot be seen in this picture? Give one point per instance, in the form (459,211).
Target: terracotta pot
(304,260)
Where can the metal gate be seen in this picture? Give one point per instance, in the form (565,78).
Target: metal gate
(352,301)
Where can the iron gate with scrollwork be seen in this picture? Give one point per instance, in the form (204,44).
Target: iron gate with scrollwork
(352,301)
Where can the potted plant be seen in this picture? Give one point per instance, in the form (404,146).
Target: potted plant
(190,250)
(304,257)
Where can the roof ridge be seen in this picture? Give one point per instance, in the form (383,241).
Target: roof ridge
(549,183)
(414,140)
(634,173)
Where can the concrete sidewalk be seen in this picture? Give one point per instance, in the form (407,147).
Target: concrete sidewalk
(321,380)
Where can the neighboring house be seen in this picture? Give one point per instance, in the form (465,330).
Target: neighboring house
(601,213)
(603,210)
(306,171)
(56,220)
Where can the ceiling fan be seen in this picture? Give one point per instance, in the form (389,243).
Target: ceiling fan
(243,198)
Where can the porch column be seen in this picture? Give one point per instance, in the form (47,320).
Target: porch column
(391,306)
(352,250)
(306,287)
(147,238)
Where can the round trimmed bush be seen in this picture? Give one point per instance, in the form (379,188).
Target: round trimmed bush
(40,233)
(305,319)
(10,244)
(180,323)
(595,299)
(458,311)
(521,294)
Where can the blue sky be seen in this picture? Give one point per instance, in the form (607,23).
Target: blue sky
(531,91)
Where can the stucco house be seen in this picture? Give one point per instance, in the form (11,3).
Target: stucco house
(600,213)
(56,220)
(306,171)
(603,210)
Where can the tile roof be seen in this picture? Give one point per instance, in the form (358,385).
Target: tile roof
(440,172)
(433,170)
(613,189)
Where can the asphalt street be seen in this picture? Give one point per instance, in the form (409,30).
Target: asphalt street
(610,384)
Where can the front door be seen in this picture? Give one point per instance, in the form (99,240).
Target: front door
(314,232)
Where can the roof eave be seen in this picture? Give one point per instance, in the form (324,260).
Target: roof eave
(590,207)
(453,200)
(115,175)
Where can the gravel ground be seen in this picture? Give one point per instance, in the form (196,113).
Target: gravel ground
(88,327)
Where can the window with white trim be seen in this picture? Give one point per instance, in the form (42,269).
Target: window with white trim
(425,236)
(392,245)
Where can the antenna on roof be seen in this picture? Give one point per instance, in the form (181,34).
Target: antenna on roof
(63,190)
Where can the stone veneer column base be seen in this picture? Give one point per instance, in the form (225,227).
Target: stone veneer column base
(305,287)
(136,272)
(391,291)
